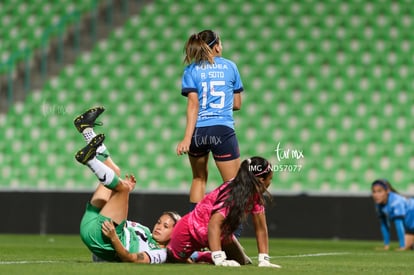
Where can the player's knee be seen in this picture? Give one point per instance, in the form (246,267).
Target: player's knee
(98,202)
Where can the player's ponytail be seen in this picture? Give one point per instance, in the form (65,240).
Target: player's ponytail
(241,193)
(198,47)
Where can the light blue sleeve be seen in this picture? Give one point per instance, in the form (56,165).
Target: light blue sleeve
(238,84)
(187,82)
(385,230)
(399,228)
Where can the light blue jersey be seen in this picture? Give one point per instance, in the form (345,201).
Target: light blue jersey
(399,210)
(398,207)
(215,85)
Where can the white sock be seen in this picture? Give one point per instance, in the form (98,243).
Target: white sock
(101,149)
(89,134)
(104,174)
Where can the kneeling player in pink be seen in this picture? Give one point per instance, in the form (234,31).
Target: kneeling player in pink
(212,223)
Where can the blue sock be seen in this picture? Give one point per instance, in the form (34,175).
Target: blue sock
(238,231)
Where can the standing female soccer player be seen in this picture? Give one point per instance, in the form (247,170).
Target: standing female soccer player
(392,207)
(104,228)
(212,223)
(212,85)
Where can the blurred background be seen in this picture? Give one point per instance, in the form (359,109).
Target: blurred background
(328,98)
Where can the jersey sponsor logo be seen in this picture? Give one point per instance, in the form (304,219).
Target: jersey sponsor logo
(213,66)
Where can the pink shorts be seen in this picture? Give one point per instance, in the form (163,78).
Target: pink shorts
(182,243)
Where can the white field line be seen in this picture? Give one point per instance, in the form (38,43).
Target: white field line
(29,262)
(273,257)
(309,255)
(314,255)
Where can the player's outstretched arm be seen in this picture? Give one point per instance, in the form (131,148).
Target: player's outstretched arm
(262,238)
(108,229)
(214,241)
(400,230)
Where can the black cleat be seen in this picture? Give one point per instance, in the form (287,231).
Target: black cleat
(89,151)
(87,119)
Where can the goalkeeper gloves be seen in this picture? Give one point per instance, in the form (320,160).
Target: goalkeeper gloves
(264,261)
(219,259)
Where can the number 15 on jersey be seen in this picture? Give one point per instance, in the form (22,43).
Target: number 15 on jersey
(209,91)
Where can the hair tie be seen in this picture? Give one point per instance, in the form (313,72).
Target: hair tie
(174,215)
(381,183)
(214,41)
(268,168)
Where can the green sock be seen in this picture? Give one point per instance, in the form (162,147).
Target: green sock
(113,183)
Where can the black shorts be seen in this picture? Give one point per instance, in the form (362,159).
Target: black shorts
(220,140)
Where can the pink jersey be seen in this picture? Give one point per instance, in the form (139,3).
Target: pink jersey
(199,218)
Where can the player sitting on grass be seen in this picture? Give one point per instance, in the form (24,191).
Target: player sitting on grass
(104,227)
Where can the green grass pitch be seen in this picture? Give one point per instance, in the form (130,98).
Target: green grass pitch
(58,254)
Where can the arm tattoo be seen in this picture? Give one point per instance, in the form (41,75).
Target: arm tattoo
(140,257)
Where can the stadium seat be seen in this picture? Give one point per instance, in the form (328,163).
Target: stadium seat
(24,23)
(312,81)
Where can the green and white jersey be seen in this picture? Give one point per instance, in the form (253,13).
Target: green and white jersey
(138,238)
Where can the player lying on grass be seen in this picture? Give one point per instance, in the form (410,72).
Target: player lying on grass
(104,227)
(215,218)
(392,207)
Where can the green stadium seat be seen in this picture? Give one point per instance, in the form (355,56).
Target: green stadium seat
(315,83)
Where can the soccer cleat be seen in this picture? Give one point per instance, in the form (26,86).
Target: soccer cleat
(89,151)
(87,119)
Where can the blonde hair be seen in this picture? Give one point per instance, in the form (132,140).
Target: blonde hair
(173,215)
